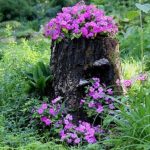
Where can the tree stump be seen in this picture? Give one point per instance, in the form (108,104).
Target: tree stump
(74,62)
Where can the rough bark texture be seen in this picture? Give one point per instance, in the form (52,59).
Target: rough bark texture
(73,62)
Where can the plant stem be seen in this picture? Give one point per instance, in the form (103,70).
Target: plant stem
(141,39)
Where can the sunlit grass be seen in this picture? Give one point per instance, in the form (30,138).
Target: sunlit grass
(130,68)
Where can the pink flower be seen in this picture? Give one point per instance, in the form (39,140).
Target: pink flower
(107,100)
(91,89)
(69,126)
(111,106)
(62,132)
(47,122)
(69,140)
(90,132)
(44,106)
(91,140)
(82,101)
(63,137)
(110,92)
(100,90)
(40,111)
(81,128)
(142,77)
(127,83)
(77,141)
(52,111)
(100,109)
(66,121)
(95,95)
(43,118)
(96,79)
(91,104)
(73,135)
(96,85)
(56,100)
(118,82)
(69,117)
(84,31)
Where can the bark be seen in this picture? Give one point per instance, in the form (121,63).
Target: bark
(74,62)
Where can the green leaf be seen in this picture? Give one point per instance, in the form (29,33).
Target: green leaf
(32,84)
(107,120)
(40,72)
(35,74)
(41,83)
(143,7)
(29,76)
(43,68)
(132,15)
(49,78)
(65,30)
(101,7)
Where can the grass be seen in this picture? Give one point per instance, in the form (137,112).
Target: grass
(133,121)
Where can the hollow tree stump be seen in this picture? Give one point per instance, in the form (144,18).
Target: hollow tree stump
(73,62)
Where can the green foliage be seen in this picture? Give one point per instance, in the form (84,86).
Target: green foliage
(133,121)
(132,35)
(16,59)
(62,3)
(14,24)
(46,146)
(39,77)
(28,33)
(16,9)
(143,7)
(16,128)
(89,147)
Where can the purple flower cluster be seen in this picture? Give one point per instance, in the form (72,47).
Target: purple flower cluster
(98,98)
(125,83)
(74,134)
(47,112)
(128,83)
(80,20)
(142,77)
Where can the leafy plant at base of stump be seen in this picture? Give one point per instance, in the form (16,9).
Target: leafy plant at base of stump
(39,78)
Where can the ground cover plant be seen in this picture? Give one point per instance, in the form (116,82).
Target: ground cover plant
(33,120)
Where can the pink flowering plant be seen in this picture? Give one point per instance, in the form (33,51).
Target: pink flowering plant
(128,83)
(84,132)
(49,115)
(98,99)
(80,21)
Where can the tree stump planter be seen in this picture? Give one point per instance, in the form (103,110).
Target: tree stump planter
(74,62)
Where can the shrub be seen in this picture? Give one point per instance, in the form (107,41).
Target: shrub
(16,9)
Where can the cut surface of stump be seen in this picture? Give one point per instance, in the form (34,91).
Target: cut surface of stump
(74,62)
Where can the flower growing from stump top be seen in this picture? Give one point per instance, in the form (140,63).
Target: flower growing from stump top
(80,20)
